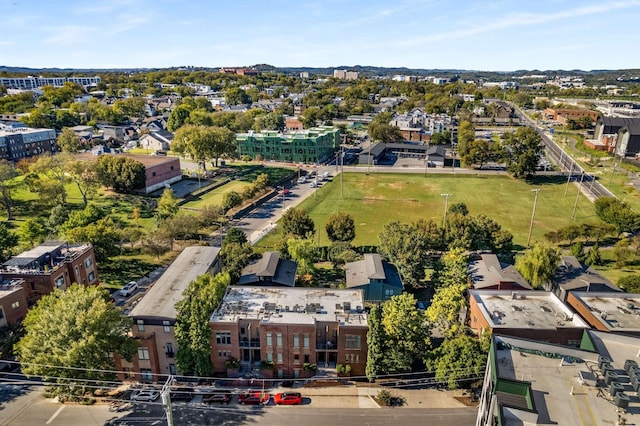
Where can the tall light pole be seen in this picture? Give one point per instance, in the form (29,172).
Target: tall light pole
(575,205)
(342,173)
(568,180)
(426,163)
(446,206)
(533,214)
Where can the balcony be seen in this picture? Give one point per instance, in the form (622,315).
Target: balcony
(249,343)
(326,345)
(170,354)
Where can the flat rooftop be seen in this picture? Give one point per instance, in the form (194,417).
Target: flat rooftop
(525,309)
(10,286)
(618,312)
(283,305)
(558,395)
(160,300)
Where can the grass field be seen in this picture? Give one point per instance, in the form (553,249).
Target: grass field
(377,199)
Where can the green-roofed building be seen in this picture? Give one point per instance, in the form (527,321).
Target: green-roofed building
(309,146)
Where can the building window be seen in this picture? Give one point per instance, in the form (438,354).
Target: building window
(269,340)
(169,349)
(296,359)
(279,358)
(269,357)
(279,340)
(166,326)
(172,369)
(280,373)
(223,337)
(59,281)
(145,374)
(88,262)
(296,341)
(15,305)
(388,293)
(296,373)
(306,341)
(91,276)
(353,357)
(140,325)
(143,353)
(353,341)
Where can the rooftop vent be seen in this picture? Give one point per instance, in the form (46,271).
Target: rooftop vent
(622,400)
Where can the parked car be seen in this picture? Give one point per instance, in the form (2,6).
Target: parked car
(254,398)
(130,288)
(286,191)
(222,397)
(288,398)
(146,395)
(181,394)
(302,179)
(313,184)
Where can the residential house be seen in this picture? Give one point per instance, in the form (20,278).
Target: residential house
(292,328)
(293,123)
(571,275)
(535,315)
(378,279)
(270,270)
(531,383)
(154,316)
(620,135)
(158,140)
(51,265)
(489,273)
(13,302)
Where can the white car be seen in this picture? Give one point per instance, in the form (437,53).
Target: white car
(314,184)
(302,180)
(129,289)
(147,395)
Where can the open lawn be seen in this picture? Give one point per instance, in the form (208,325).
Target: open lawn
(377,199)
(215,197)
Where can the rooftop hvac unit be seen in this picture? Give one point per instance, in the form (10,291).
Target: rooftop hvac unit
(606,367)
(611,377)
(602,359)
(622,400)
(635,384)
(629,364)
(615,388)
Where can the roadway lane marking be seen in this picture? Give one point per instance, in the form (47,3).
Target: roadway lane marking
(52,418)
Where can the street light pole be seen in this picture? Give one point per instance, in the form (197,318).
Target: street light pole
(533,214)
(575,205)
(446,206)
(568,180)
(426,163)
(342,173)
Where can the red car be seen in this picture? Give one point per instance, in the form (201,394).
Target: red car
(288,398)
(254,398)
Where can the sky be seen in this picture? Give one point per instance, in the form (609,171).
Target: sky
(488,35)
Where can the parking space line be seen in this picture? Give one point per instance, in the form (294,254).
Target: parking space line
(52,418)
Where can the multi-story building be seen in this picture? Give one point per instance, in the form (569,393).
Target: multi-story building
(613,312)
(377,278)
(30,83)
(13,302)
(535,315)
(619,134)
(291,328)
(345,75)
(51,265)
(562,115)
(307,146)
(154,316)
(22,142)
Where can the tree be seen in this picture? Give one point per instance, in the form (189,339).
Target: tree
(614,211)
(167,205)
(179,227)
(375,344)
(297,222)
(622,253)
(460,359)
(7,186)
(68,141)
(177,118)
(407,334)
(341,227)
(69,335)
(451,269)
(466,136)
(593,256)
(384,132)
(193,335)
(103,235)
(304,252)
(522,151)
(235,256)
(480,152)
(235,235)
(8,240)
(123,174)
(84,174)
(630,283)
(230,200)
(32,230)
(236,96)
(577,250)
(538,264)
(204,143)
(54,167)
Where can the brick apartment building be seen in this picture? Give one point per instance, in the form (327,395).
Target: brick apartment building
(13,302)
(23,142)
(154,317)
(51,265)
(562,115)
(290,327)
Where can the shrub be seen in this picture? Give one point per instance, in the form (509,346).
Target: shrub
(384,397)
(232,364)
(309,367)
(266,365)
(340,368)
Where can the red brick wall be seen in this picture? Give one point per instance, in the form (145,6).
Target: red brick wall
(161,172)
(584,312)
(14,314)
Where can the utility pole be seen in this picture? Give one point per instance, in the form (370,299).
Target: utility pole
(446,206)
(533,214)
(426,163)
(342,173)
(369,160)
(568,180)
(575,205)
(166,399)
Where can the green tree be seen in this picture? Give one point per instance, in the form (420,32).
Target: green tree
(522,151)
(235,256)
(622,253)
(407,334)
(614,211)
(480,152)
(230,200)
(451,269)
(577,250)
(69,335)
(445,308)
(236,96)
(297,222)
(84,174)
(68,141)
(375,344)
(204,143)
(103,235)
(193,334)
(167,205)
(630,283)
(304,252)
(32,230)
(459,360)
(123,174)
(466,136)
(341,227)
(593,256)
(384,132)
(235,235)
(177,118)
(7,186)
(54,168)
(538,264)
(8,240)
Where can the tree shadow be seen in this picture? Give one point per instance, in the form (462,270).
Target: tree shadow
(11,391)
(123,270)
